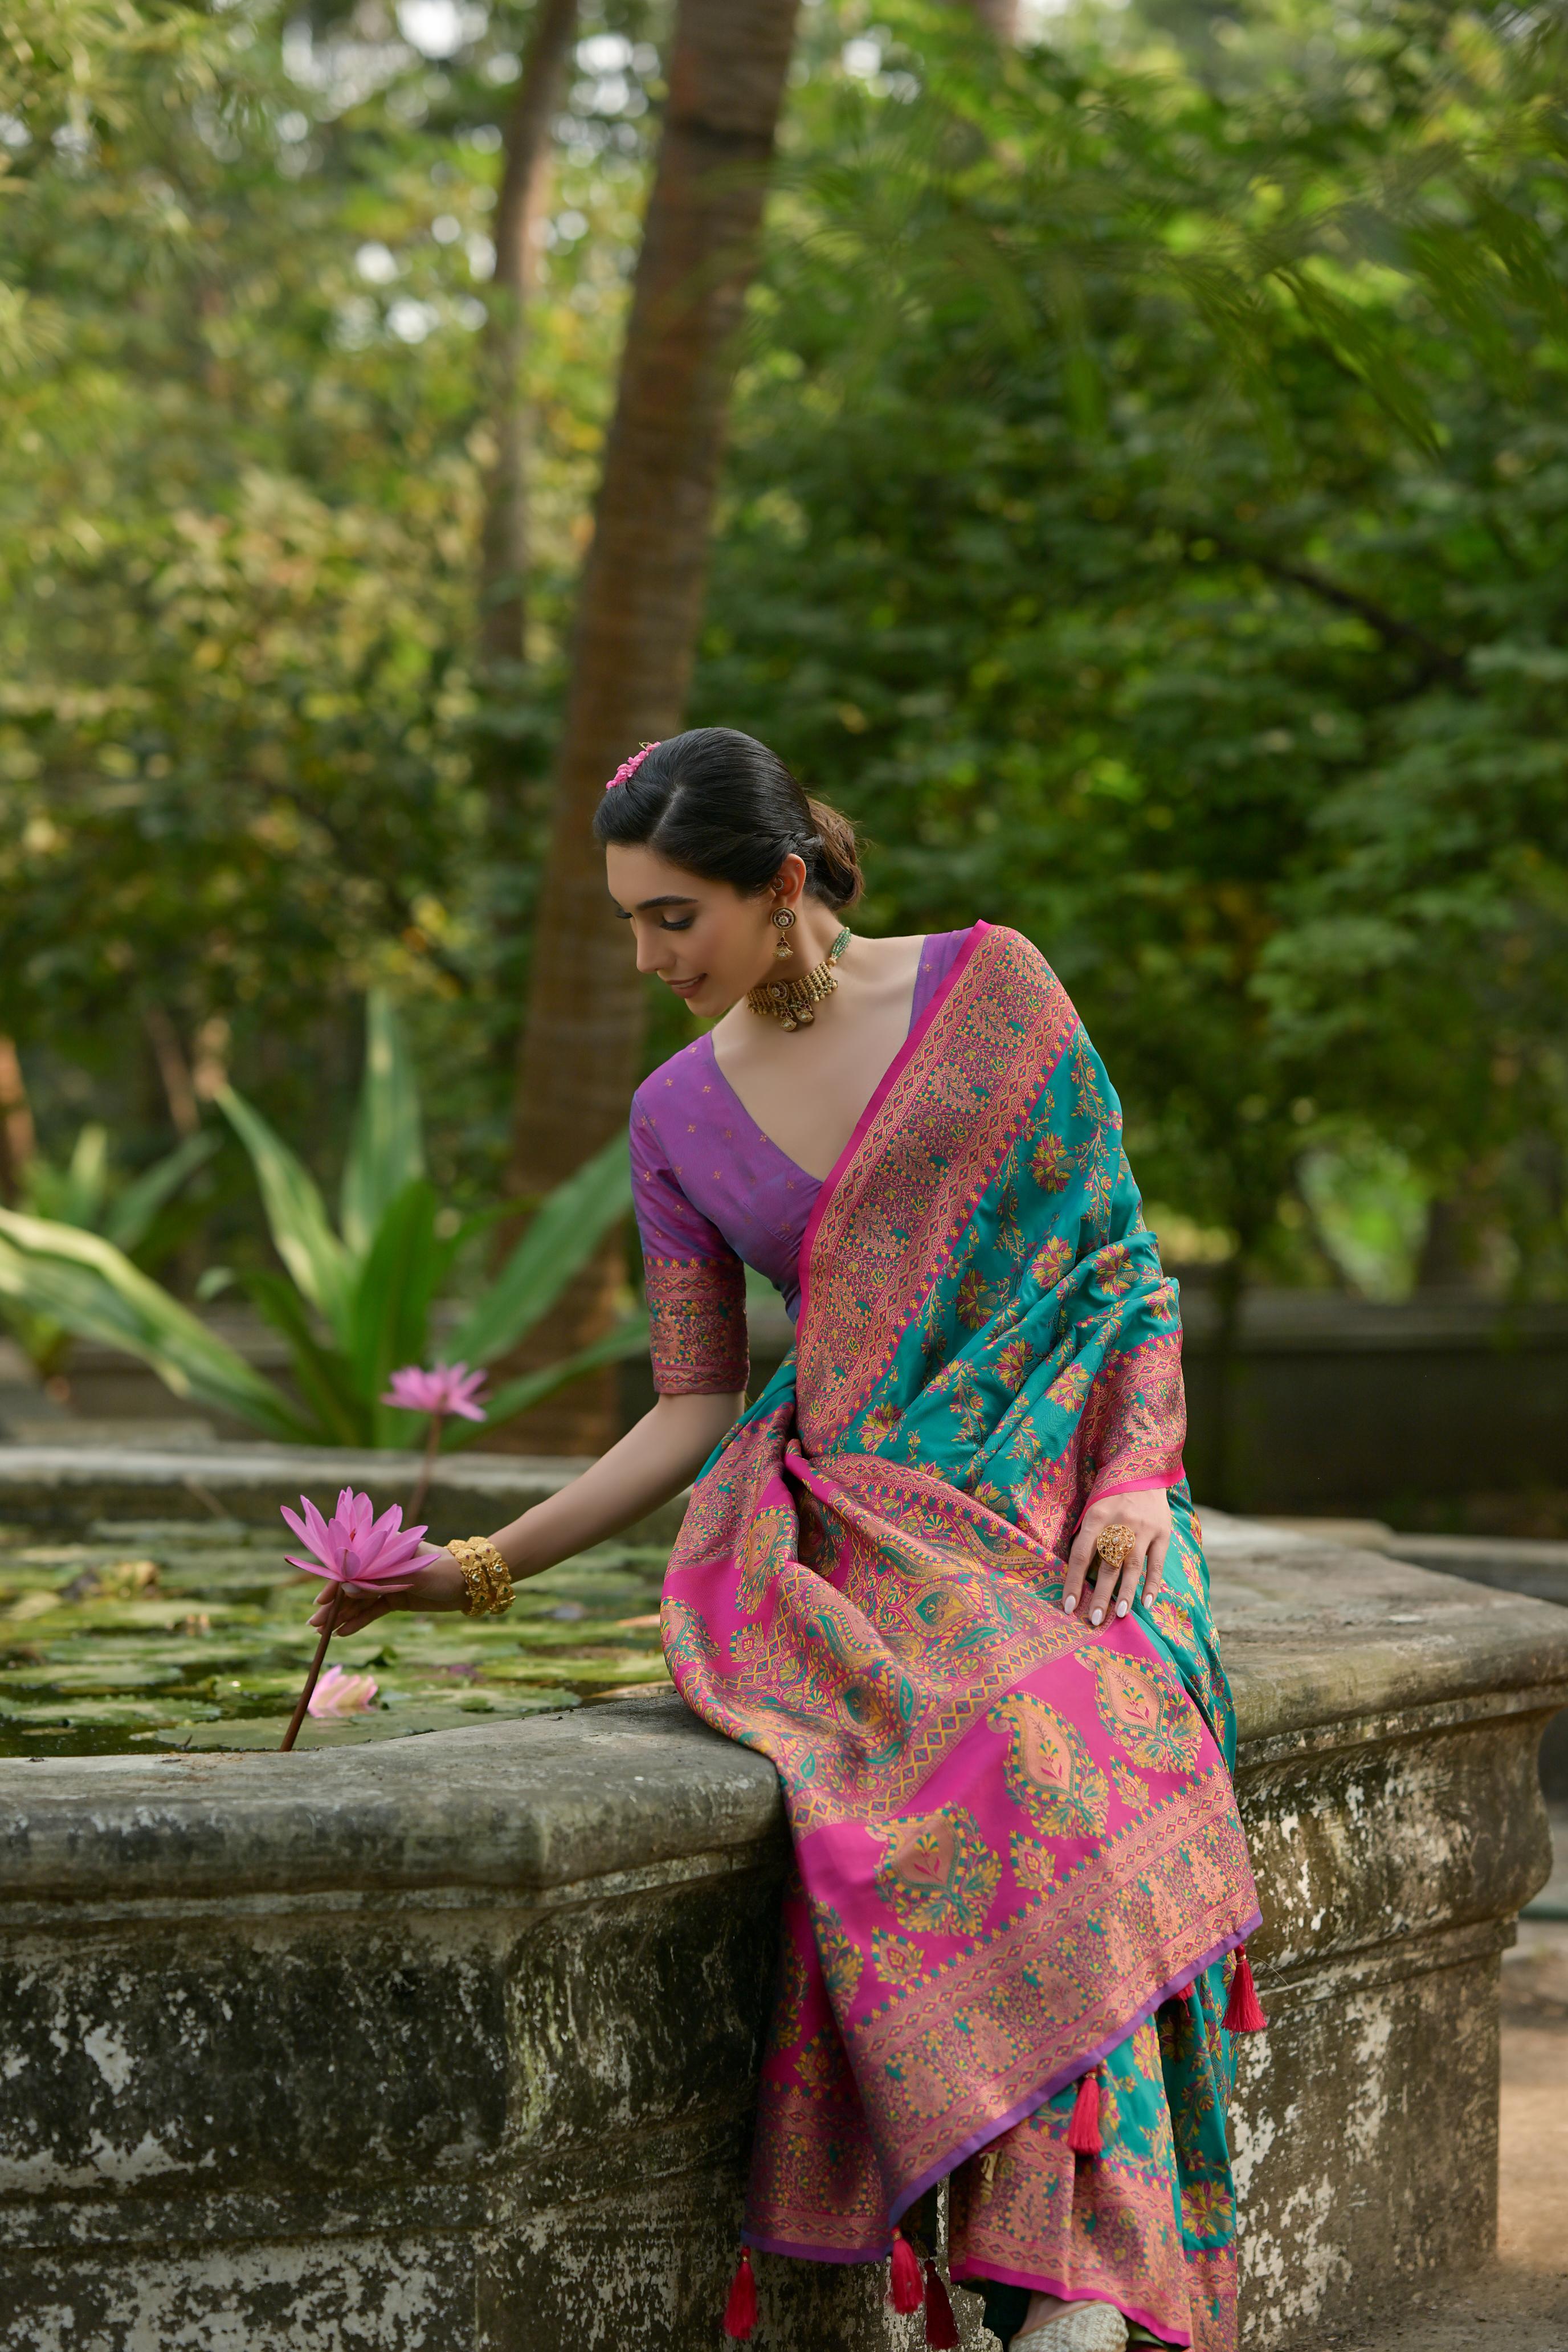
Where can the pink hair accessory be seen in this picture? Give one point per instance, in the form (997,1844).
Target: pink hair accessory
(630,767)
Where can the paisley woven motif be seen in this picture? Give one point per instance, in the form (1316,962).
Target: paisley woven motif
(842,1961)
(1015,1836)
(937,1872)
(1050,1770)
(1146,1712)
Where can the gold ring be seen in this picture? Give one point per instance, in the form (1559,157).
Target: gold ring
(1114,1543)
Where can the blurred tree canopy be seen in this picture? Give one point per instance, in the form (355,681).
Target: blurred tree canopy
(243,455)
(1146,515)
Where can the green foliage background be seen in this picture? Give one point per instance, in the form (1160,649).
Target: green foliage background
(1145,514)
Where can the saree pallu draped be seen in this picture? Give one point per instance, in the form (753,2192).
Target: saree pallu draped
(1017,1852)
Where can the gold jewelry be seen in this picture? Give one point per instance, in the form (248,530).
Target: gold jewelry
(486,1579)
(784,919)
(1113,1543)
(790,1001)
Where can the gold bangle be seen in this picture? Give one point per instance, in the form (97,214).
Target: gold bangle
(486,1579)
(475,1596)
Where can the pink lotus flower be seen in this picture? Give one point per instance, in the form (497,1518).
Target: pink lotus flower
(442,1388)
(354,1548)
(340,1694)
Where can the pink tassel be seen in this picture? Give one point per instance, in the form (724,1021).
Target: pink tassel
(1243,2010)
(741,2311)
(1083,2132)
(942,2328)
(907,2291)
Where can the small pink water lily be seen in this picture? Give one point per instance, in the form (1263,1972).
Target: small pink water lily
(356,1550)
(438,1388)
(340,1694)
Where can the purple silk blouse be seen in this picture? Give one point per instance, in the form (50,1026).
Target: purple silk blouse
(714,1194)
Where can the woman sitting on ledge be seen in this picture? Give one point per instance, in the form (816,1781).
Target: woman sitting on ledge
(944,1572)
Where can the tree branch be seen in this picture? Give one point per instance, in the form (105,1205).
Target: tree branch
(1438,661)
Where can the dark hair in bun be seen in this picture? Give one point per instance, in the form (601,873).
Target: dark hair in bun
(724,806)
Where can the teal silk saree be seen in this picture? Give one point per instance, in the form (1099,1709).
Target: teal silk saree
(1020,1874)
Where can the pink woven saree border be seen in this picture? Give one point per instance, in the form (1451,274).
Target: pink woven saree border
(1059,2077)
(927,1146)
(885,1085)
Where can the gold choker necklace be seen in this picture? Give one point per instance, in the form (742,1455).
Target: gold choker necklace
(790,1001)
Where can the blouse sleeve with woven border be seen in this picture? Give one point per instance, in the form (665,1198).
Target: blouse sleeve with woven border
(696,1284)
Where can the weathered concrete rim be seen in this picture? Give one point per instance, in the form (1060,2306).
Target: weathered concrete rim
(500,2189)
(279,1467)
(372,1903)
(70,1487)
(1384,1638)
(755,1848)
(1369,1966)
(518,1807)
(568,1802)
(1265,1749)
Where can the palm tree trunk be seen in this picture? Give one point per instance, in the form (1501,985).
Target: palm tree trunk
(525,175)
(640,614)
(18,1140)
(1000,16)
(173,1069)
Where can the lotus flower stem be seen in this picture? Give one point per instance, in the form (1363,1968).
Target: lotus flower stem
(333,1605)
(428,1467)
(438,1390)
(354,1552)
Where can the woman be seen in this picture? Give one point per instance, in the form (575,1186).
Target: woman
(944,1572)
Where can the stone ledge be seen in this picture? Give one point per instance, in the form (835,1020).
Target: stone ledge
(520,1806)
(1390,1961)
(1316,1636)
(1516,1564)
(448,2044)
(66,1485)
(1325,1651)
(152,2217)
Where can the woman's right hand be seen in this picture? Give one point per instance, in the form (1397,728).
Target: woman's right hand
(438,1585)
(641,1470)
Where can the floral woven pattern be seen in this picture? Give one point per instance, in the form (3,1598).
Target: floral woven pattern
(1017,1845)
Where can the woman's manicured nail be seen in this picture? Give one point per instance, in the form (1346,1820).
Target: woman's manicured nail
(1122,1608)
(1097,1616)
(1069,1601)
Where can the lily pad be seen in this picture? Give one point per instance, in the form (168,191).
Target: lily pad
(169,1632)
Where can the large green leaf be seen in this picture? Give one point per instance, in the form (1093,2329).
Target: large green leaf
(386,1151)
(84,1282)
(74,1194)
(129,1219)
(296,1213)
(629,1338)
(567,1229)
(321,1373)
(390,1316)
(86,1178)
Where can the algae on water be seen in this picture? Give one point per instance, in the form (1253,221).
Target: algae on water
(158,1633)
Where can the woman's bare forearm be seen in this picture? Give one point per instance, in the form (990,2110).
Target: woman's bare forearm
(653,1461)
(650,1463)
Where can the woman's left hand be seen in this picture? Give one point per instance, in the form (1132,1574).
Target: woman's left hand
(1148,1514)
(437,1585)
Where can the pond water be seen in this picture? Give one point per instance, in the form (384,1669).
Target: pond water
(169,1633)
